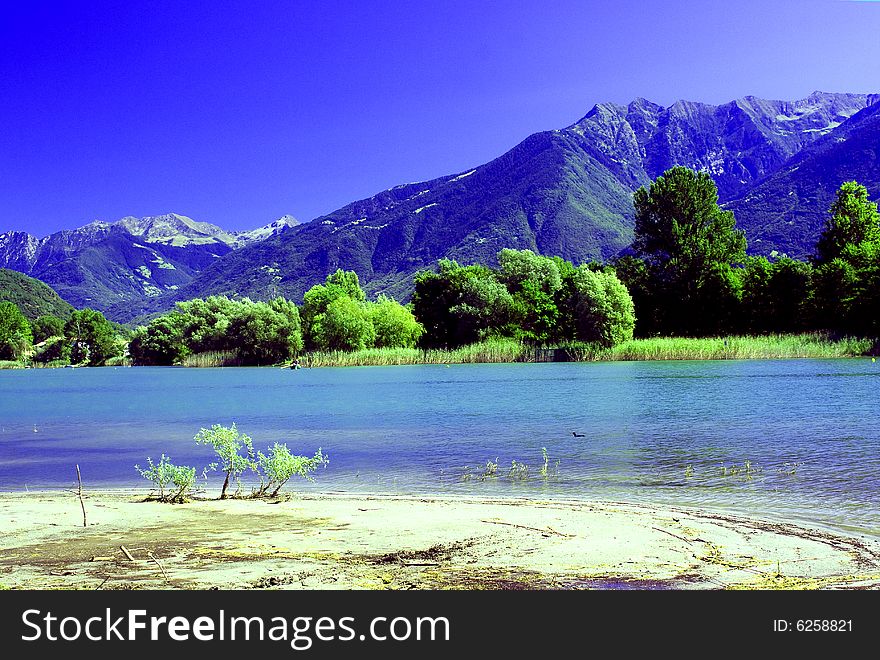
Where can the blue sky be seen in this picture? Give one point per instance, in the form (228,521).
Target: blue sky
(237,113)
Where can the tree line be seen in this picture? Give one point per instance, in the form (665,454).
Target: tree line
(334,316)
(87,337)
(689,274)
(686,274)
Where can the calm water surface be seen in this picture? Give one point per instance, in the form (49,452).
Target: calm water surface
(656,432)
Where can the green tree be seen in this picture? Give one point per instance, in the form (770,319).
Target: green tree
(853,220)
(603,310)
(636,276)
(533,281)
(91,337)
(266,333)
(15,332)
(47,326)
(394,324)
(459,305)
(344,326)
(688,244)
(160,343)
(848,264)
(340,284)
(205,322)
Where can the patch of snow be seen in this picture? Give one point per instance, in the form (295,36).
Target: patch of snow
(328,222)
(144,271)
(142,247)
(822,131)
(377,226)
(161,263)
(422,208)
(461,176)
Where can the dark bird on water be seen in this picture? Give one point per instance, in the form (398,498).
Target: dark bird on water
(578,435)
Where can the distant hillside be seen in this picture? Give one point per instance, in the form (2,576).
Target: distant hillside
(787,211)
(34,298)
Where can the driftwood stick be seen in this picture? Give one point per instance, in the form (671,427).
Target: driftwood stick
(80,493)
(159,564)
(675,536)
(545,532)
(126,553)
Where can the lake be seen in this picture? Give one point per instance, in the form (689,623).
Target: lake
(656,432)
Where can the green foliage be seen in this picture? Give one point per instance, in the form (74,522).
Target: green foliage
(521,266)
(853,221)
(530,297)
(277,467)
(394,324)
(175,483)
(91,337)
(47,326)
(251,332)
(459,305)
(15,332)
(518,471)
(228,444)
(848,264)
(205,322)
(688,244)
(602,308)
(266,333)
(340,284)
(776,296)
(680,225)
(160,343)
(344,326)
(52,350)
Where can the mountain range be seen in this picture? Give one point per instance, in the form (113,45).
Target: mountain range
(113,265)
(565,192)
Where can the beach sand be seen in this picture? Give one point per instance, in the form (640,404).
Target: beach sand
(387,542)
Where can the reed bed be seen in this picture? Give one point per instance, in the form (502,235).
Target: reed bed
(810,345)
(212,359)
(488,351)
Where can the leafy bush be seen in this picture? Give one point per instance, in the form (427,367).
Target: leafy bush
(276,468)
(228,444)
(15,332)
(174,482)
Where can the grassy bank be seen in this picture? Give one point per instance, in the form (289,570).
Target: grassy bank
(812,345)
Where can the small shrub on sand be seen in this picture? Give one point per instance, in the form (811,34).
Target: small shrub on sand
(175,483)
(276,468)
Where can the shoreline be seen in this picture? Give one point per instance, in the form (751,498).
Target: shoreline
(502,351)
(355,541)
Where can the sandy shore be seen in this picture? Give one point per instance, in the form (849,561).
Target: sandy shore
(372,542)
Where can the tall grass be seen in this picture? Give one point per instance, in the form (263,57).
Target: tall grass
(497,350)
(212,359)
(811,345)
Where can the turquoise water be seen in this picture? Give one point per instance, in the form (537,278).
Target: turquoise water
(656,432)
